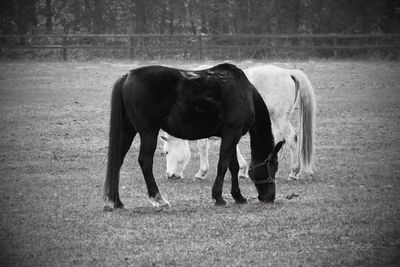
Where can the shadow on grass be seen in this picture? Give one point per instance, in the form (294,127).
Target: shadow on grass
(188,209)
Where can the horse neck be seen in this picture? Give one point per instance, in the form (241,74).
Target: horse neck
(261,137)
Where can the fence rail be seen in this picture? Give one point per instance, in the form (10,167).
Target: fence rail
(200,46)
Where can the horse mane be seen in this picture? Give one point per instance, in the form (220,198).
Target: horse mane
(238,73)
(261,137)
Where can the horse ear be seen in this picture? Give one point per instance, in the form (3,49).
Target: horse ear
(278,146)
(164,138)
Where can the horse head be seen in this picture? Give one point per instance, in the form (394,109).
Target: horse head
(177,154)
(263,175)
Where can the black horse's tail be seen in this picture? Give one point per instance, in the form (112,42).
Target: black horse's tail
(111,191)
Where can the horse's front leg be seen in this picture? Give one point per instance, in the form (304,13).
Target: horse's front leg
(148,145)
(227,148)
(291,138)
(234,170)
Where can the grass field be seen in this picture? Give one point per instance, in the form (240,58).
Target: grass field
(54,129)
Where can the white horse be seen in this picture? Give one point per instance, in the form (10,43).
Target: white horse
(280,88)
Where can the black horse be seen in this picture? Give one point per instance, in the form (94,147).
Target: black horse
(219,101)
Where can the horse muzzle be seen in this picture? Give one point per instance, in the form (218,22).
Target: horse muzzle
(267,195)
(267,198)
(173,177)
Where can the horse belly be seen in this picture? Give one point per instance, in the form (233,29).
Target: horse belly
(194,121)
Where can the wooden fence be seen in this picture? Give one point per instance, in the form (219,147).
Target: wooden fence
(206,46)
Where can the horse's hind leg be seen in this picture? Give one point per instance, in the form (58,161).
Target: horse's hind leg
(126,137)
(242,164)
(234,170)
(203,146)
(148,145)
(291,139)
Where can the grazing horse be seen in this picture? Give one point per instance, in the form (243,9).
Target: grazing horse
(192,105)
(280,88)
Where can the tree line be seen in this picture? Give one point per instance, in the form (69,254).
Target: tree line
(199,16)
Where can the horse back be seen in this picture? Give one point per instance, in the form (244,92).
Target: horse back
(189,104)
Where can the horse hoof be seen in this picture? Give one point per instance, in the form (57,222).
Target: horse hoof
(118,204)
(267,202)
(200,175)
(107,209)
(292,195)
(243,173)
(159,202)
(165,206)
(271,201)
(220,202)
(243,176)
(241,201)
(111,209)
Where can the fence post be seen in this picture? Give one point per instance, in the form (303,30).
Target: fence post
(199,47)
(64,48)
(335,52)
(131,47)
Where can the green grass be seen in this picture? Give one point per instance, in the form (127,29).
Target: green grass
(54,128)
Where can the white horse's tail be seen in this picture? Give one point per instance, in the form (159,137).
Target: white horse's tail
(307,109)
